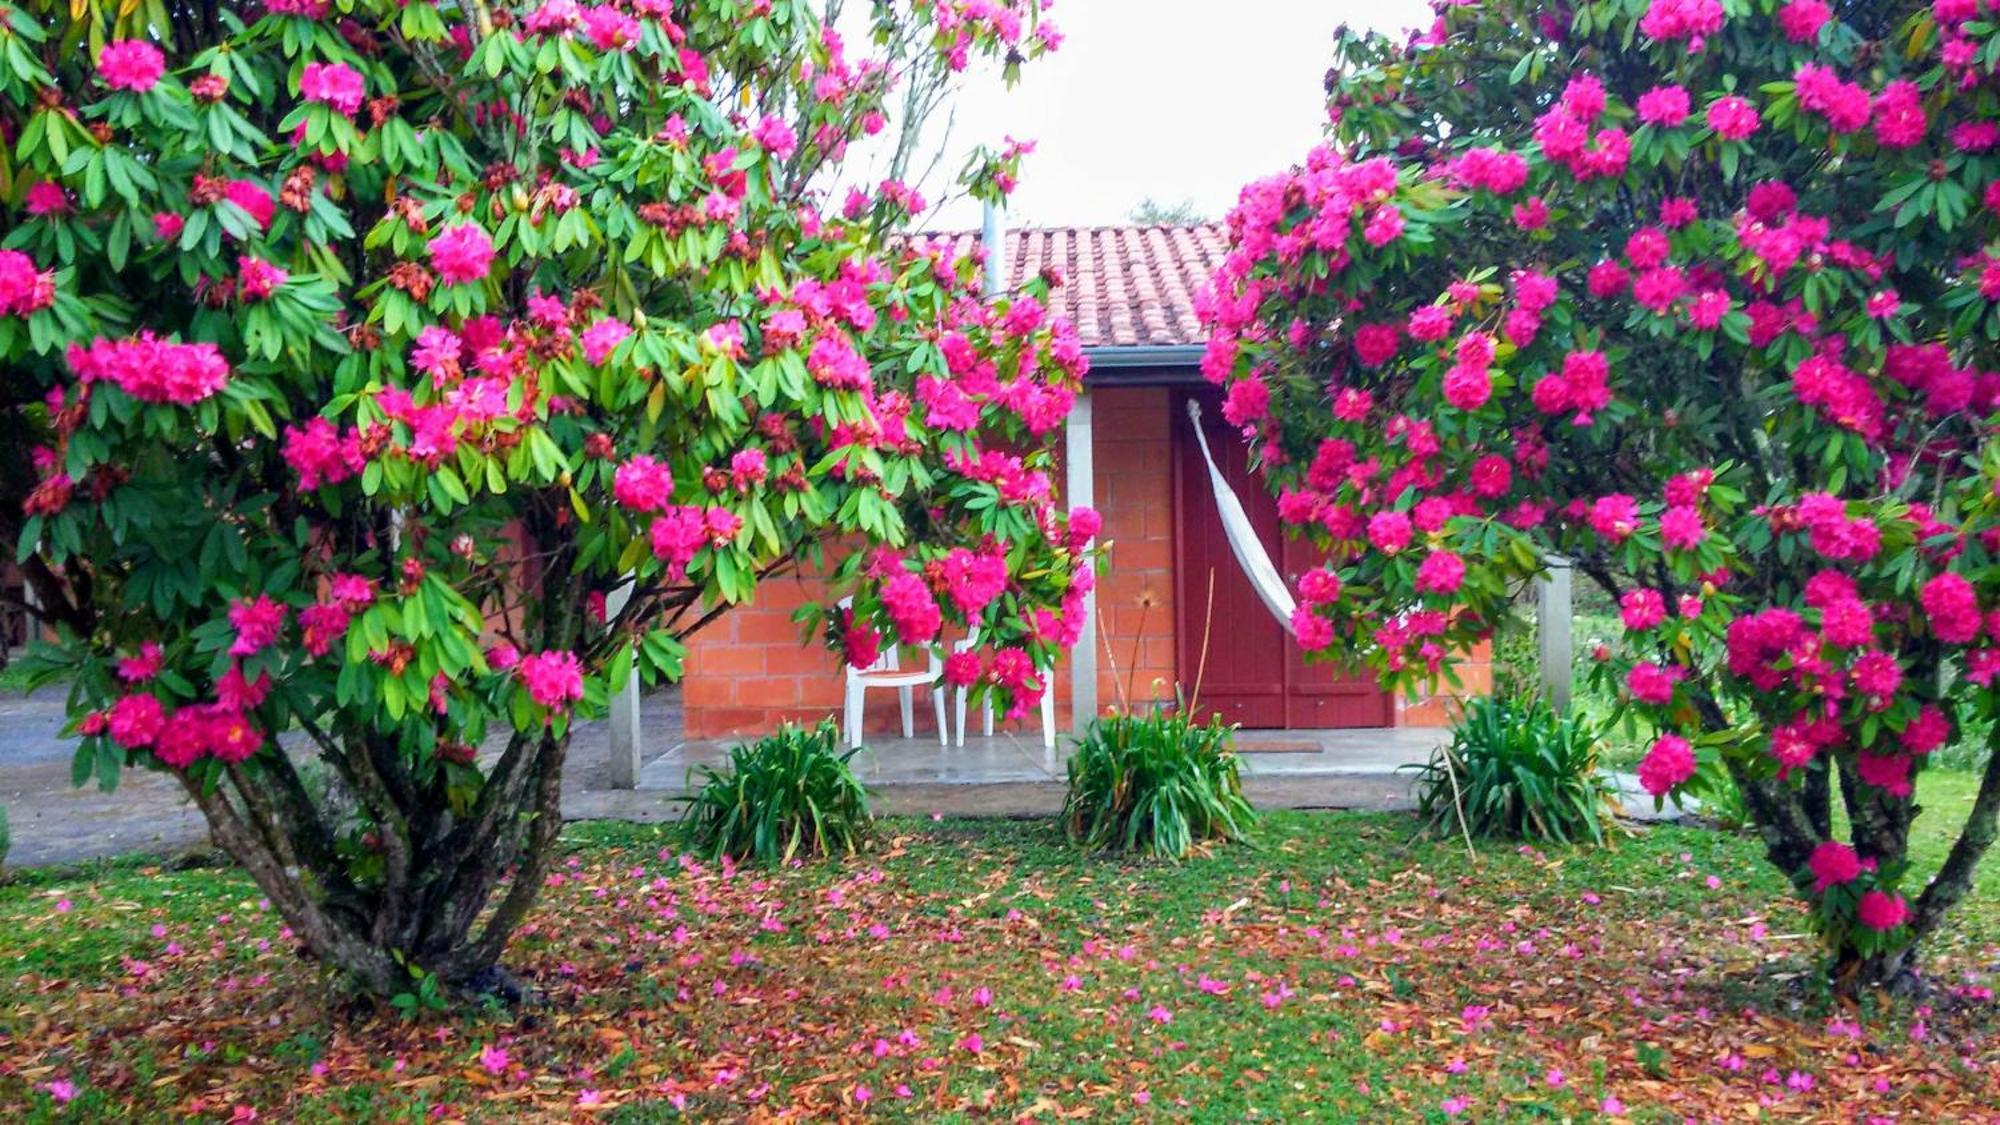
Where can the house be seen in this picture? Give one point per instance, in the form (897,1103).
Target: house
(1129,452)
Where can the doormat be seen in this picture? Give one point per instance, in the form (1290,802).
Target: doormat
(1276,746)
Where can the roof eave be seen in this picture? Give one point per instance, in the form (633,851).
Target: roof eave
(1151,365)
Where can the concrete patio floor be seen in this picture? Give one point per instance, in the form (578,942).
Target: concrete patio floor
(1366,760)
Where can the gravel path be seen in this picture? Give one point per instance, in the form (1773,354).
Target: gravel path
(53,822)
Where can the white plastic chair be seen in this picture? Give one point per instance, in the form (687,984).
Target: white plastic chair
(887,672)
(986,706)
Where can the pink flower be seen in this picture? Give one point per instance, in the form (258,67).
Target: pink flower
(1681,528)
(320,625)
(1468,387)
(24,290)
(257,623)
(1802,19)
(1833,863)
(255,199)
(602,337)
(1441,572)
(973,579)
(129,64)
(462,254)
(493,1059)
(1376,344)
(1669,763)
(1733,118)
(320,455)
(1899,115)
(135,720)
(1692,20)
(257,279)
(352,590)
(1390,531)
(554,679)
(1952,608)
(138,669)
(1650,683)
(643,484)
(1882,912)
(1384,226)
(1843,104)
(1614,517)
(776,137)
(609,29)
(1665,106)
(333,84)
(1642,608)
(45,197)
(152,370)
(911,608)
(1925,733)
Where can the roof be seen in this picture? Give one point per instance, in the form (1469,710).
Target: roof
(1123,287)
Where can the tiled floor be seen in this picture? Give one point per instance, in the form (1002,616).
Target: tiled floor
(1007,758)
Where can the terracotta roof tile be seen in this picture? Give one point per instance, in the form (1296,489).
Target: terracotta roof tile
(1128,286)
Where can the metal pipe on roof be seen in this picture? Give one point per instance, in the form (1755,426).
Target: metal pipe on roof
(996,250)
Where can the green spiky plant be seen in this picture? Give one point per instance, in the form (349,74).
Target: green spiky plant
(789,794)
(1516,769)
(1155,783)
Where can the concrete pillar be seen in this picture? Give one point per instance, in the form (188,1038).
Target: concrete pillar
(1554,625)
(1080,491)
(625,732)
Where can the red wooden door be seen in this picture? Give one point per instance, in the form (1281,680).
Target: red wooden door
(1253,673)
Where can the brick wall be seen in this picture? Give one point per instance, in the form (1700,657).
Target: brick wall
(1438,707)
(1134,485)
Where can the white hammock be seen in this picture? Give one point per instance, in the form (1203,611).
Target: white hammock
(1243,541)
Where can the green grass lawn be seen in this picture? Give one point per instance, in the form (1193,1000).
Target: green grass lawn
(973,970)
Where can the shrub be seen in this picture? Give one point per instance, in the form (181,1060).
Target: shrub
(1702,297)
(1523,772)
(1155,783)
(788,794)
(409,375)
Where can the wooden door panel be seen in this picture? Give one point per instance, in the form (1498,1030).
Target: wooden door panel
(1254,674)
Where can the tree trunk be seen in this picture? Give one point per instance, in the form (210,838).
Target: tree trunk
(1982,825)
(420,916)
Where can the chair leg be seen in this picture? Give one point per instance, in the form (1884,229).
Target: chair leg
(850,715)
(909,712)
(937,704)
(961,717)
(987,718)
(1049,719)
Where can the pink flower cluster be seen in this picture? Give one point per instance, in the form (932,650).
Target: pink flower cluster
(320,454)
(554,679)
(24,290)
(333,84)
(151,369)
(1669,762)
(462,254)
(131,64)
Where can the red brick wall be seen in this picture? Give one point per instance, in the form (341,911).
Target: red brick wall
(1134,489)
(749,671)
(1438,706)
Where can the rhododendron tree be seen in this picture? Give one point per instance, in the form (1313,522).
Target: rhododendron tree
(406,375)
(1701,296)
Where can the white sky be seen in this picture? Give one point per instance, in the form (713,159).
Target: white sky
(1176,99)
